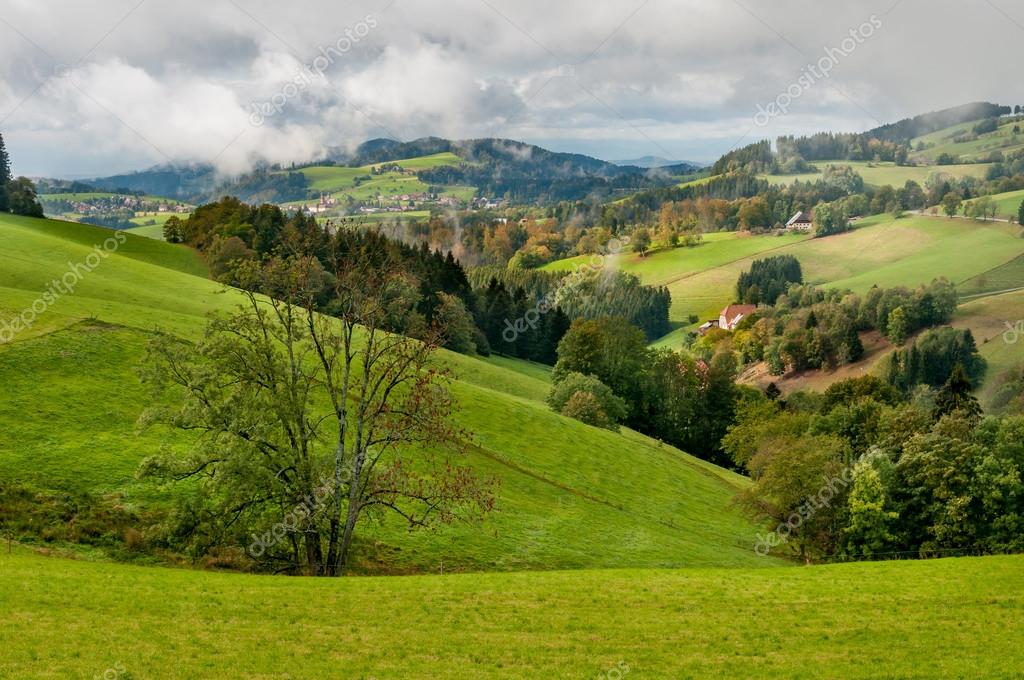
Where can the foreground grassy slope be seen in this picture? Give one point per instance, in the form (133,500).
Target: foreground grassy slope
(943,618)
(570,495)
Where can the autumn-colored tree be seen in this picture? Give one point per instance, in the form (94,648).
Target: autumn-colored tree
(272,464)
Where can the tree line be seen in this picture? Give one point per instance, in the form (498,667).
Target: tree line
(675,397)
(17,195)
(862,471)
(811,328)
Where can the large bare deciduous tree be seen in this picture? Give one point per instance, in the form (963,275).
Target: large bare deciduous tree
(313,413)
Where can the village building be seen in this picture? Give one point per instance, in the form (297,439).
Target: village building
(801,221)
(733,314)
(707,326)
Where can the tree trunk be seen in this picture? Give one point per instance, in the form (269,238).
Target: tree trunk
(346,540)
(353,510)
(314,552)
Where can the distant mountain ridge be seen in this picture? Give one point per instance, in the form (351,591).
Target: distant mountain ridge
(656,162)
(498,167)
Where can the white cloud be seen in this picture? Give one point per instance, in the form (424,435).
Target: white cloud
(679,76)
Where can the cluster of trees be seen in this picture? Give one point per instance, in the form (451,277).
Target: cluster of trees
(825,146)
(830,218)
(811,328)
(230,231)
(669,395)
(740,200)
(1008,393)
(269,185)
(17,195)
(587,293)
(860,472)
(930,360)
(756,157)
(517,324)
(596,293)
(768,279)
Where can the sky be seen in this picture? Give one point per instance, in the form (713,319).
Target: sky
(91,89)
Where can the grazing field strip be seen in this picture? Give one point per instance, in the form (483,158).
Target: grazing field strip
(948,618)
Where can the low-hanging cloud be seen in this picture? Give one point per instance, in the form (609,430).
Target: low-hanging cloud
(88,90)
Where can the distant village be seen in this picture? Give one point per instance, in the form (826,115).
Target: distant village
(397,203)
(53,203)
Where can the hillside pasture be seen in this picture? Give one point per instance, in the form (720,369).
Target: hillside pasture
(879,251)
(570,495)
(155,231)
(1008,204)
(883,173)
(343,183)
(997,323)
(1003,139)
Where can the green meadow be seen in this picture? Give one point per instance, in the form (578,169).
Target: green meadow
(569,495)
(1008,204)
(883,173)
(342,182)
(879,251)
(997,322)
(608,555)
(943,141)
(950,618)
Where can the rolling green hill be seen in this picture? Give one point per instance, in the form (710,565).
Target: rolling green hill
(880,174)
(1008,204)
(982,258)
(950,618)
(342,182)
(571,496)
(880,251)
(971,147)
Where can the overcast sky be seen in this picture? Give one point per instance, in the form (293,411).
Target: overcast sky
(96,88)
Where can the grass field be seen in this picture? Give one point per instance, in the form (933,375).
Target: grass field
(907,252)
(93,195)
(154,231)
(571,496)
(997,322)
(880,174)
(1008,204)
(377,218)
(158,219)
(341,182)
(952,618)
(942,141)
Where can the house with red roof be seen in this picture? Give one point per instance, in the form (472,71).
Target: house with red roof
(733,314)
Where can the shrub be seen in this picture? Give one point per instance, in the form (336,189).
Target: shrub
(568,390)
